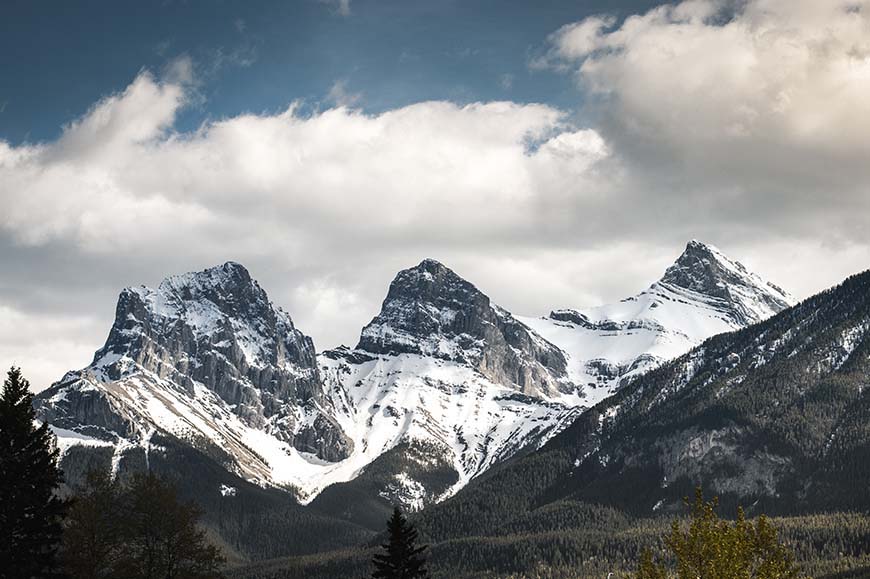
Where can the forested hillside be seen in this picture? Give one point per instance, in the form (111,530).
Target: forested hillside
(773,417)
(832,546)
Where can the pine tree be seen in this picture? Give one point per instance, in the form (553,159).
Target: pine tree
(401,558)
(30,512)
(717,549)
(648,568)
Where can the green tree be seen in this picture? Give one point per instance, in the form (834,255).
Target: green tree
(30,511)
(401,558)
(648,568)
(715,549)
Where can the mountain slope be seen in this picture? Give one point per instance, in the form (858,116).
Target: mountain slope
(773,416)
(442,367)
(702,294)
(205,357)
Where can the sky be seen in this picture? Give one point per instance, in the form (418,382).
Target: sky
(556,154)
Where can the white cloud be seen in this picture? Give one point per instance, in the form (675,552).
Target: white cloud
(746,129)
(748,119)
(120,175)
(575,41)
(324,208)
(776,82)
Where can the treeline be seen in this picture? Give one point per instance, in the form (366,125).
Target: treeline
(831,546)
(143,527)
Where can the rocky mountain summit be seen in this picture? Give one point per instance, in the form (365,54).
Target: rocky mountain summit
(205,355)
(702,294)
(739,294)
(431,311)
(442,385)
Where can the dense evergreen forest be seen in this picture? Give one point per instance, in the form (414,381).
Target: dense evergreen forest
(567,546)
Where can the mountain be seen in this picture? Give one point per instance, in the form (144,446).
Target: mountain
(442,385)
(207,358)
(440,374)
(773,416)
(702,294)
(431,311)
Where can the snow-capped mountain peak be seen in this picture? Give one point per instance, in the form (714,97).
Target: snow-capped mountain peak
(205,356)
(221,306)
(430,310)
(424,313)
(705,270)
(702,294)
(441,366)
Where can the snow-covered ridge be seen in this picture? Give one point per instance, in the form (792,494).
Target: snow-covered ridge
(384,400)
(702,294)
(207,355)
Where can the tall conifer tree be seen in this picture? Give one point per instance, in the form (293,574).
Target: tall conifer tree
(401,558)
(30,512)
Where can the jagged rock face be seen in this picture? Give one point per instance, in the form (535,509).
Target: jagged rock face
(218,328)
(86,410)
(202,344)
(324,438)
(745,296)
(429,310)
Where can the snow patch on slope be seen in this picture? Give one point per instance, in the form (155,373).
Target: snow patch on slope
(703,294)
(389,399)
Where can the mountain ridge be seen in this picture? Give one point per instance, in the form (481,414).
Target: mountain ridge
(772,416)
(701,294)
(208,356)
